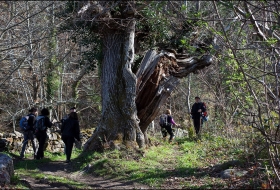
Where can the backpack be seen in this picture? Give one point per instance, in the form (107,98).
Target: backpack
(163,120)
(205,116)
(23,123)
(40,123)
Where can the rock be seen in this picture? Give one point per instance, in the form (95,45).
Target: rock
(55,142)
(229,173)
(55,136)
(62,145)
(56,149)
(227,165)
(180,133)
(78,145)
(6,169)
(12,135)
(18,134)
(52,136)
(46,145)
(17,146)
(10,140)
(3,143)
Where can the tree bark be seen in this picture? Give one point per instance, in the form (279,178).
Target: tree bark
(189,94)
(119,122)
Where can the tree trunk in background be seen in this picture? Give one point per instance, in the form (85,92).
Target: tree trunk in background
(35,81)
(189,94)
(75,93)
(119,122)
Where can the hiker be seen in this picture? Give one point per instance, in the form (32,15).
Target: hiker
(28,134)
(42,123)
(73,109)
(197,109)
(166,122)
(70,131)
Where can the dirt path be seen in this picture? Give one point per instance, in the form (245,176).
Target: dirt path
(61,169)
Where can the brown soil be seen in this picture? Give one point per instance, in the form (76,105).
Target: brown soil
(65,170)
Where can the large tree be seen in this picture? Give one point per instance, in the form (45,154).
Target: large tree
(131,100)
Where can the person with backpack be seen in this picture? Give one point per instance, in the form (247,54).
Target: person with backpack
(27,127)
(70,131)
(166,122)
(197,109)
(42,123)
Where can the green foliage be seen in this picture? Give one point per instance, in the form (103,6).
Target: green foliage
(52,83)
(155,27)
(53,67)
(271,41)
(191,132)
(15,181)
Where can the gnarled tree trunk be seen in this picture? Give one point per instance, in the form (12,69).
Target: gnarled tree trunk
(119,122)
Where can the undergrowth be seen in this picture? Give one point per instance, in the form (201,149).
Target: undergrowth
(185,158)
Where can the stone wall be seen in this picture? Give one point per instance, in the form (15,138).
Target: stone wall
(13,141)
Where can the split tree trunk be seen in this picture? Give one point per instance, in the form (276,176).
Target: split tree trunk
(158,76)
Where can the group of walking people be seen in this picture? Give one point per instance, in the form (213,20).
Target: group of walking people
(197,111)
(70,129)
(37,126)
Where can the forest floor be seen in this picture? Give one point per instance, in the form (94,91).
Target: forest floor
(185,163)
(60,175)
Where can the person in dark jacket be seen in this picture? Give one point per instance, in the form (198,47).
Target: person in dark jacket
(196,111)
(73,109)
(70,130)
(41,135)
(29,134)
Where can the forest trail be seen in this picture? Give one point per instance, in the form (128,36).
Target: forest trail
(213,164)
(62,169)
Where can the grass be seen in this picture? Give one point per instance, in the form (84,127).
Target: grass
(15,180)
(51,178)
(185,159)
(30,168)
